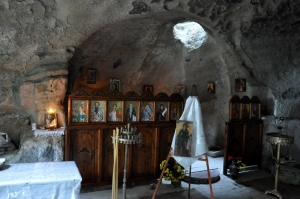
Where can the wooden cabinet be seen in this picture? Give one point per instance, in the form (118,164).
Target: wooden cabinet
(89,143)
(243,135)
(92,150)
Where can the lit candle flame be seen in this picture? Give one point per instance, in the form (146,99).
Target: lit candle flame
(51,110)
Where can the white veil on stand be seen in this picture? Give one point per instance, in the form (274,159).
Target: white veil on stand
(192,112)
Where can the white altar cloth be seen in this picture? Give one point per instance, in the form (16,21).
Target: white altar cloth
(41,180)
(47,132)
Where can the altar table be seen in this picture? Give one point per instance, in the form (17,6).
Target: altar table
(40,180)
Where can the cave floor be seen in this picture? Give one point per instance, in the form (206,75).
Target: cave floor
(250,185)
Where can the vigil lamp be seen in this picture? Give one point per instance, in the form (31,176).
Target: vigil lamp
(50,120)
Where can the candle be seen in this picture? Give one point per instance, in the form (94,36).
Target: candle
(115,165)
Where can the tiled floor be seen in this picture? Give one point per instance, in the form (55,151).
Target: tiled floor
(226,188)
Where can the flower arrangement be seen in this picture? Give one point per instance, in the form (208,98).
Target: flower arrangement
(237,161)
(174,172)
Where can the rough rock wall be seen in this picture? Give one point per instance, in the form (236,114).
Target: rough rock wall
(132,41)
(36,149)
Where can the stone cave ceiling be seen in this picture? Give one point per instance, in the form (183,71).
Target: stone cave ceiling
(257,39)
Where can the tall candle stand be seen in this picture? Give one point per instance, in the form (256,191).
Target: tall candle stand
(128,135)
(278,139)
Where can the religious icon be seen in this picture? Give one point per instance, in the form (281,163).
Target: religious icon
(91,76)
(147,108)
(235,111)
(254,111)
(148,88)
(78,111)
(210,88)
(162,111)
(115,109)
(175,110)
(115,85)
(245,111)
(240,85)
(131,110)
(183,139)
(97,111)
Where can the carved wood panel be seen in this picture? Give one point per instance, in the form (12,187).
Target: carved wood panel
(252,144)
(165,142)
(108,156)
(95,159)
(143,154)
(243,139)
(235,138)
(84,153)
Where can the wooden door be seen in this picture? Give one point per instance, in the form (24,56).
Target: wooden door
(143,155)
(108,157)
(234,142)
(84,151)
(235,139)
(252,152)
(165,142)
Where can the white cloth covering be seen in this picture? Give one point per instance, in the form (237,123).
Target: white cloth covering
(60,180)
(47,132)
(192,112)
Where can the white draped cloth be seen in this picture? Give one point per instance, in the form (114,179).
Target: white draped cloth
(192,112)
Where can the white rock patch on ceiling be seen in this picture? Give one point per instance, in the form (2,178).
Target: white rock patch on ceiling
(191,34)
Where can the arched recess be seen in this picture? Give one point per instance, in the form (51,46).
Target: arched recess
(142,51)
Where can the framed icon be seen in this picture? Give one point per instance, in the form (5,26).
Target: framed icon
(210,87)
(175,110)
(148,88)
(79,110)
(162,111)
(131,111)
(235,111)
(240,85)
(115,110)
(97,111)
(115,85)
(255,111)
(245,111)
(91,75)
(147,110)
(183,139)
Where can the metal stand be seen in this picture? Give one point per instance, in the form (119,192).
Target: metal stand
(164,168)
(278,139)
(128,136)
(124,177)
(274,191)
